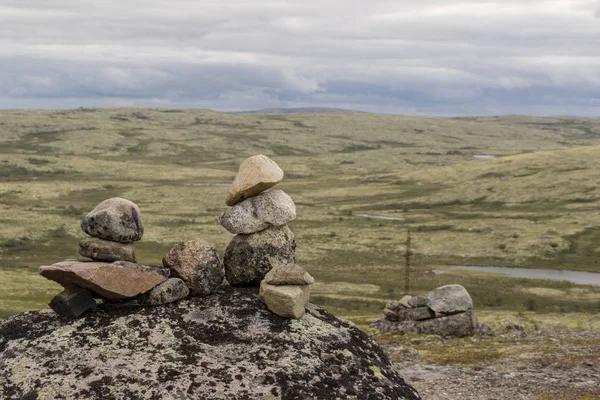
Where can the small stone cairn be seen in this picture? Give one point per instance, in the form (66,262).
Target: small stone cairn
(112,273)
(445,311)
(263,251)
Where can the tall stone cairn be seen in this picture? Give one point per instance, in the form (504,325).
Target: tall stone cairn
(264,246)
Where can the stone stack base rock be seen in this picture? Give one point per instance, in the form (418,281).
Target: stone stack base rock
(264,244)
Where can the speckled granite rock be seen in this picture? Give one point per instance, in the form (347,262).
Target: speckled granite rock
(272,208)
(226,346)
(248,258)
(171,290)
(198,263)
(115,219)
(103,250)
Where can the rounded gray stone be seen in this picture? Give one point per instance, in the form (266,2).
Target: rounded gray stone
(268,209)
(171,290)
(248,258)
(225,346)
(449,299)
(116,220)
(198,264)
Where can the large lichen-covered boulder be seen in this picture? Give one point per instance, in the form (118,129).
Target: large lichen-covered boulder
(224,346)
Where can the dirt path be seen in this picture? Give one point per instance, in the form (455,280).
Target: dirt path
(514,365)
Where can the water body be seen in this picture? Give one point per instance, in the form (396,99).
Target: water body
(484,156)
(380,217)
(578,277)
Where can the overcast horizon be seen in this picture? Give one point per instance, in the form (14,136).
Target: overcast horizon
(443,58)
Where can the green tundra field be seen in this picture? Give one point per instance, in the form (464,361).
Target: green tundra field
(537,204)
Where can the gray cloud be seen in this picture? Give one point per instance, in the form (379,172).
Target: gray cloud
(429,57)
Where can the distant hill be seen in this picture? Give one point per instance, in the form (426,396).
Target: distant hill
(297,110)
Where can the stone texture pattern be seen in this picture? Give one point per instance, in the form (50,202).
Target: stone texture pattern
(115,219)
(460,325)
(248,258)
(267,209)
(226,346)
(286,301)
(112,281)
(256,174)
(288,274)
(103,250)
(421,313)
(171,290)
(198,264)
(449,299)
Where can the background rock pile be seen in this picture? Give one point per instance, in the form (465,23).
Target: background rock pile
(263,250)
(445,311)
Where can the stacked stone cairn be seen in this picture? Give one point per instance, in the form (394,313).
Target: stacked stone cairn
(261,254)
(112,273)
(445,311)
(263,251)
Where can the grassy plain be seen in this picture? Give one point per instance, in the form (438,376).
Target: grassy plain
(536,205)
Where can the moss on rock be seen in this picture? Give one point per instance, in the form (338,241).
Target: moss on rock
(227,345)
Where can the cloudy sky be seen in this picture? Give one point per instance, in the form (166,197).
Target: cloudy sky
(435,57)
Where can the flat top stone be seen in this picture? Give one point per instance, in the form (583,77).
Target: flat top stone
(288,274)
(112,281)
(256,174)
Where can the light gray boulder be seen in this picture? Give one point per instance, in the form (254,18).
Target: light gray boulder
(265,210)
(116,220)
(449,299)
(248,258)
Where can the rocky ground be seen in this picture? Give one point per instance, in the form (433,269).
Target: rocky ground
(514,364)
